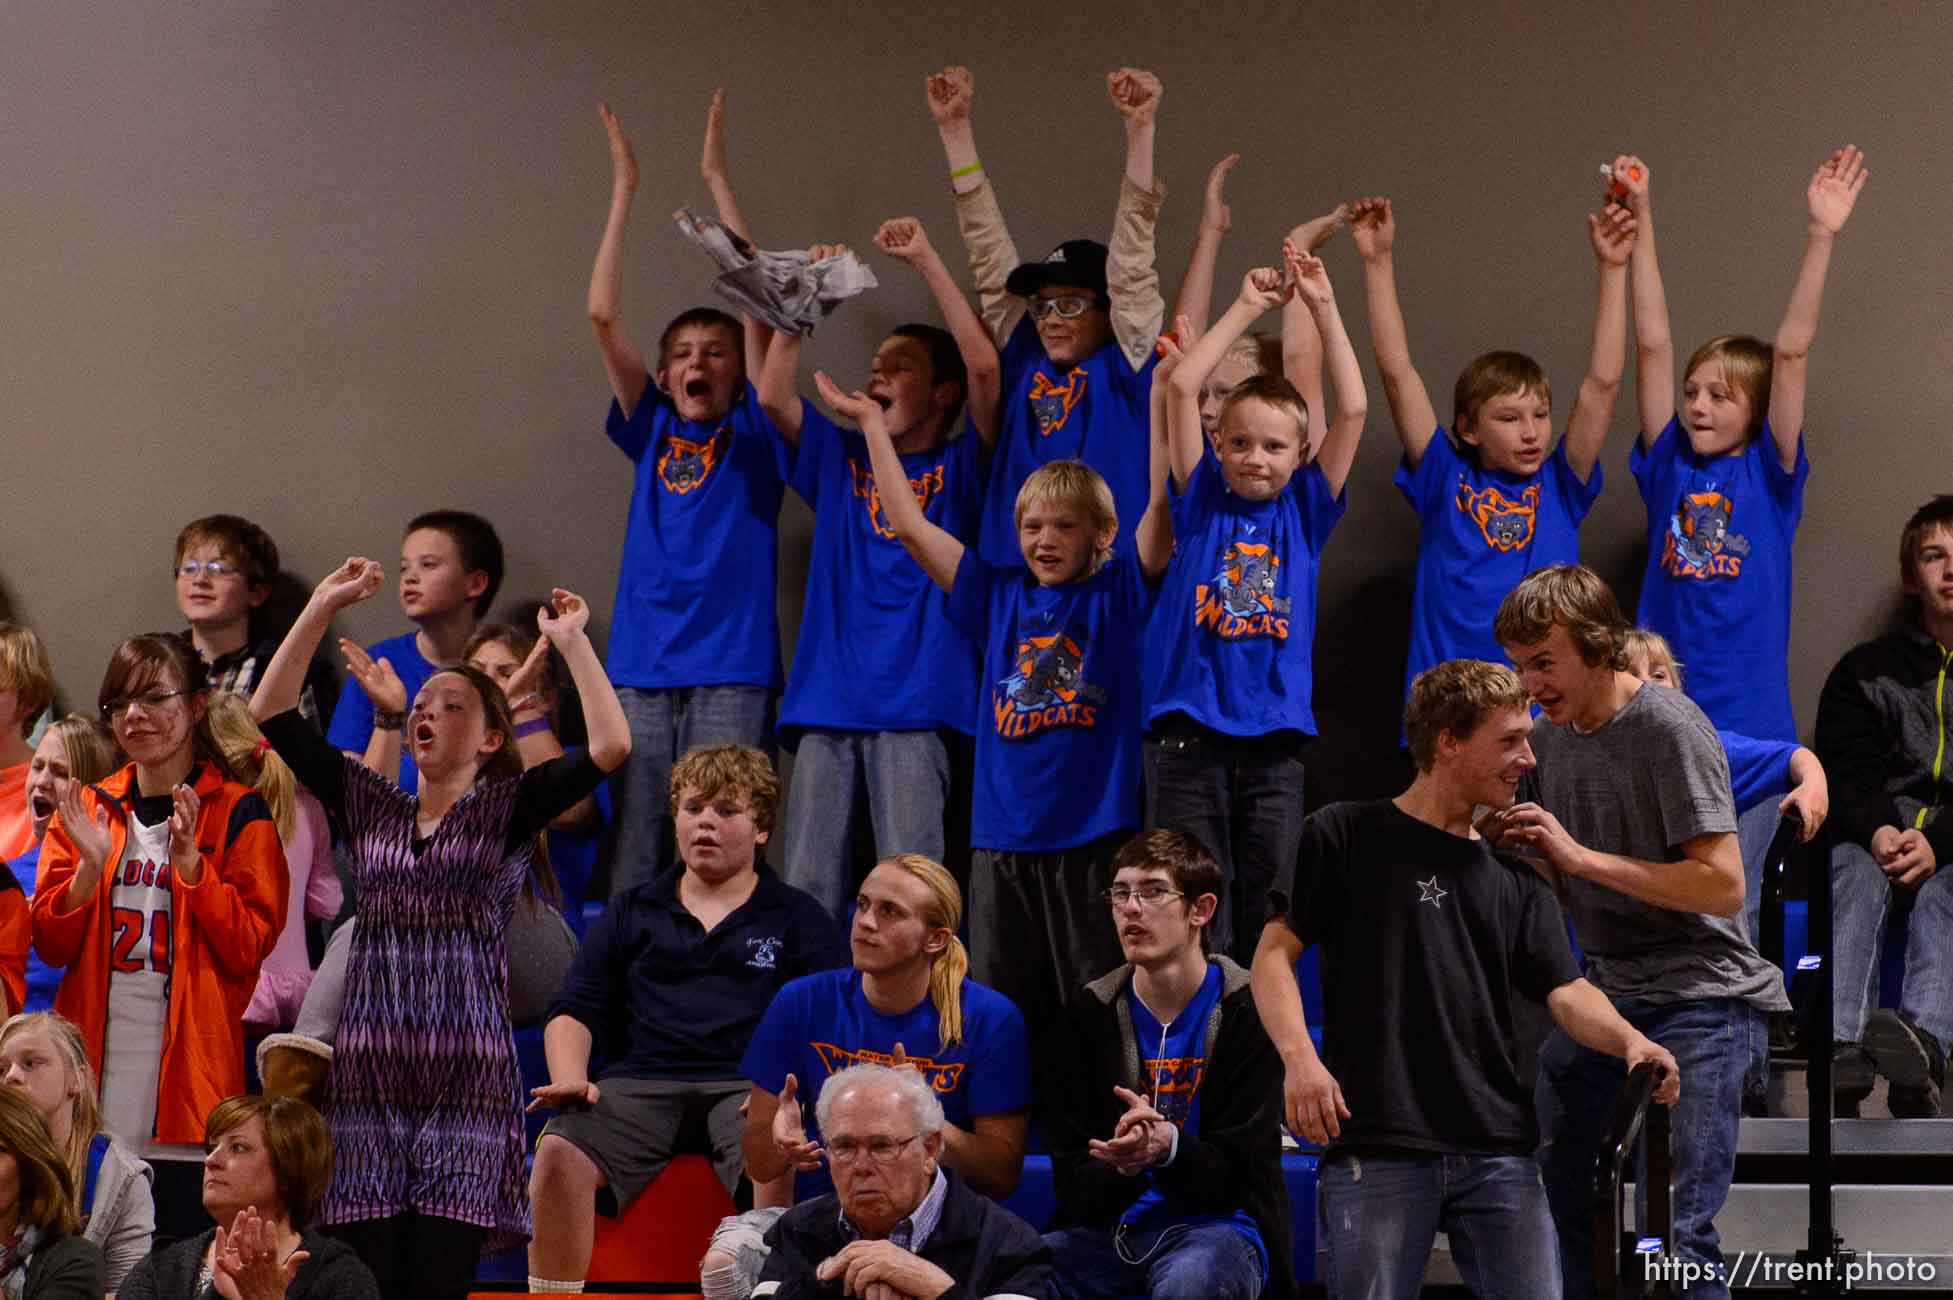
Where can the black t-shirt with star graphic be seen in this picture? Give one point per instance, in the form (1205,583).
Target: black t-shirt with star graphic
(1425,937)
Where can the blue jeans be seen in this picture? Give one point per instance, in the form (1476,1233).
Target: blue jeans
(1862,898)
(1208,1261)
(1241,797)
(899,779)
(1377,1213)
(666,724)
(1722,1047)
(1756,826)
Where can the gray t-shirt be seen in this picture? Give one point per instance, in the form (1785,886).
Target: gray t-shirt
(1647,780)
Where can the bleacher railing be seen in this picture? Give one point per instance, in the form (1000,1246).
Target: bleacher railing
(1625,1259)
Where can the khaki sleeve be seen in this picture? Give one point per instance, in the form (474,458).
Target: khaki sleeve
(1138,310)
(992,258)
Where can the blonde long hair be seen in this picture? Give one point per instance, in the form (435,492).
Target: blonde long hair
(85,1112)
(249,755)
(952,964)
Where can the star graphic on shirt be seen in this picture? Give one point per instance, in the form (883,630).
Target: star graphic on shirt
(1432,894)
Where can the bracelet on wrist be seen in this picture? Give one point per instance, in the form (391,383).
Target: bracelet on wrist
(531,727)
(969,169)
(389,719)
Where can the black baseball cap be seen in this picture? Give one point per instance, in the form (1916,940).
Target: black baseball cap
(1078,262)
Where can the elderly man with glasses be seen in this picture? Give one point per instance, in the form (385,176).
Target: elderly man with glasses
(897,1226)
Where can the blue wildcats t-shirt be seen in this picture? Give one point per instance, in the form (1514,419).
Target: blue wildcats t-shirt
(1717,582)
(1174,1058)
(1758,769)
(1231,640)
(1057,728)
(821,1024)
(1098,412)
(695,585)
(1479,532)
(877,651)
(352,719)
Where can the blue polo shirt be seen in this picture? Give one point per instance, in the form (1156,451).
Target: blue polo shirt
(665,999)
(1057,731)
(1717,580)
(823,1023)
(1231,641)
(352,719)
(695,599)
(876,650)
(1098,411)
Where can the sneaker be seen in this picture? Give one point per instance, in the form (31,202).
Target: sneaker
(1851,1079)
(1911,1058)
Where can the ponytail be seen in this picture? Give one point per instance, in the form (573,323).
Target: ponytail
(249,756)
(952,964)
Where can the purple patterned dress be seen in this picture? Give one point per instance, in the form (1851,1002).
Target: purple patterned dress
(424,1098)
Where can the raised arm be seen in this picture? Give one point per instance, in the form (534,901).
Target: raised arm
(284,677)
(1373,225)
(1153,538)
(1338,449)
(778,387)
(938,552)
(1131,281)
(1301,341)
(717,175)
(562,623)
(949,95)
(1832,193)
(1262,289)
(903,238)
(623,360)
(1196,294)
(1611,231)
(1654,346)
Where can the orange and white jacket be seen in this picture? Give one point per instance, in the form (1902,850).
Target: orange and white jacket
(222,928)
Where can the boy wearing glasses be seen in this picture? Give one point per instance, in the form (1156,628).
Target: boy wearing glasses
(1166,1148)
(224,568)
(1425,936)
(1076,330)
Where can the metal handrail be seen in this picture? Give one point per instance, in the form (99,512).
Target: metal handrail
(1620,1266)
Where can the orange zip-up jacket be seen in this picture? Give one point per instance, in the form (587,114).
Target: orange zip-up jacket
(223,927)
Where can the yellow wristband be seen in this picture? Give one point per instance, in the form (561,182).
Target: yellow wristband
(957,173)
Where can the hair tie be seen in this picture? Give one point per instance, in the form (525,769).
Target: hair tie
(258,750)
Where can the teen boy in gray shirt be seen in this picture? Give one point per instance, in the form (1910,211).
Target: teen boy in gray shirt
(1630,814)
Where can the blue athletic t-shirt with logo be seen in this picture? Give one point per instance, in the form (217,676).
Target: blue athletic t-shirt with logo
(1480,531)
(1232,637)
(1098,411)
(876,650)
(1057,727)
(1717,580)
(820,1024)
(696,599)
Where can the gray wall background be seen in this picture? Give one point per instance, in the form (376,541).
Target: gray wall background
(324,265)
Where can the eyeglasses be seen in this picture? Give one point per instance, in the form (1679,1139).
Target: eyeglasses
(217,569)
(1148,895)
(881,1150)
(1069,307)
(151,701)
